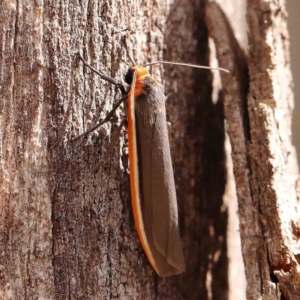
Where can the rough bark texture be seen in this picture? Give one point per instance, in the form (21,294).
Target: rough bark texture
(293,7)
(265,165)
(57,243)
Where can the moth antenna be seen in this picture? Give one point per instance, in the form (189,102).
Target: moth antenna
(185,65)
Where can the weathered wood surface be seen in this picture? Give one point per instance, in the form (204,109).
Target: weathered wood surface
(60,244)
(57,243)
(258,112)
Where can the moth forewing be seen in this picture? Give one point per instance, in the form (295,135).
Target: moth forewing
(155,180)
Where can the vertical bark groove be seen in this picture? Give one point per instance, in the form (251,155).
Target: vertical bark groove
(270,206)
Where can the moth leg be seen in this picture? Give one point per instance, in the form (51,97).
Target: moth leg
(107,118)
(169,130)
(113,142)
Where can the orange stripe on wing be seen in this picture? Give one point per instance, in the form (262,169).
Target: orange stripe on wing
(134,171)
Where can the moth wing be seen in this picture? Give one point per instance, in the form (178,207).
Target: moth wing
(158,228)
(165,225)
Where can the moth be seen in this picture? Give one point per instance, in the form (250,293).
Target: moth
(152,185)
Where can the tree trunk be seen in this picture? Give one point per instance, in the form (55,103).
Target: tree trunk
(58,243)
(61,243)
(258,109)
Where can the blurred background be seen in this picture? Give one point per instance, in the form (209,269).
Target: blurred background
(293,7)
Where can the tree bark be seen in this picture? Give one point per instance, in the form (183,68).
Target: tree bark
(258,110)
(62,243)
(57,243)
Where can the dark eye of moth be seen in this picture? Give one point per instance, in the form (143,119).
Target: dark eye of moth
(129,76)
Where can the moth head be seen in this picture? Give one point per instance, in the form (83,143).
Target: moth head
(141,71)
